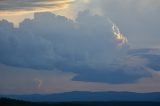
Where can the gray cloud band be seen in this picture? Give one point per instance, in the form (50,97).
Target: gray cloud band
(21,5)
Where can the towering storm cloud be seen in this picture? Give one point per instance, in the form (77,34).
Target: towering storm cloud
(86,47)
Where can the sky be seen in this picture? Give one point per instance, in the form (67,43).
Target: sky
(50,46)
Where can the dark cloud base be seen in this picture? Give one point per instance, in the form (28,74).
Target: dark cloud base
(85,47)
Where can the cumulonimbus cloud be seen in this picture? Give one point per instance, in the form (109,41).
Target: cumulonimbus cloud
(85,47)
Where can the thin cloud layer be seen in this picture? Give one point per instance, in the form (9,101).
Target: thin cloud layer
(15,7)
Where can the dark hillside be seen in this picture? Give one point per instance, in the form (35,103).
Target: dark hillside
(12,102)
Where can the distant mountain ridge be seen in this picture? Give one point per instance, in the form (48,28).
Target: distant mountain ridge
(89,96)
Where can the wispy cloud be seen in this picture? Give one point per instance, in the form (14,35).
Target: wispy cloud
(14,7)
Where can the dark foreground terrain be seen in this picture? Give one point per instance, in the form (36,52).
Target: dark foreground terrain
(88,96)
(12,102)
